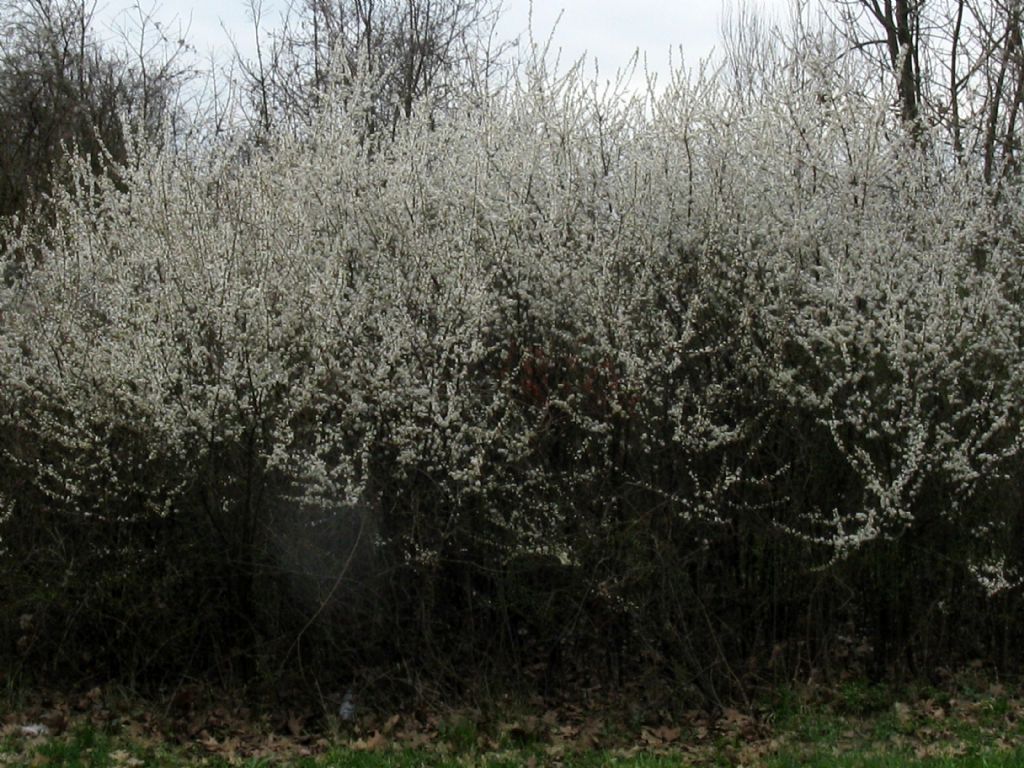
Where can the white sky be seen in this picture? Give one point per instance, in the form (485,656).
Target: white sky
(610,30)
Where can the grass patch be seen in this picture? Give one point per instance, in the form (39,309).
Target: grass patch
(987,759)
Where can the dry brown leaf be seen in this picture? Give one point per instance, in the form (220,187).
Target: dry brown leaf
(734,716)
(294,724)
(229,747)
(369,744)
(414,739)
(565,733)
(668,734)
(589,734)
(124,759)
(555,751)
(392,721)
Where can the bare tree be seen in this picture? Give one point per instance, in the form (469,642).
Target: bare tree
(956,64)
(64,88)
(408,48)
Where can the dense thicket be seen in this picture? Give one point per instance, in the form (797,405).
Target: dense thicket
(715,386)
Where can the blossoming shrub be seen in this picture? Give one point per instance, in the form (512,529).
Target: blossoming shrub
(700,382)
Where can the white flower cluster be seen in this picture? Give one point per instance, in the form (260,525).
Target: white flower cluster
(505,322)
(994,577)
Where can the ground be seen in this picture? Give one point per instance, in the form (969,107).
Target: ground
(973,721)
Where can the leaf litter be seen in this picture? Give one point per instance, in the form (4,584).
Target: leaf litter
(225,727)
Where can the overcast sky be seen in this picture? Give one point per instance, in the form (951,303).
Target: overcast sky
(609,30)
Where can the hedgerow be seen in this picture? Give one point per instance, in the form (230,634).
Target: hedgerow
(699,381)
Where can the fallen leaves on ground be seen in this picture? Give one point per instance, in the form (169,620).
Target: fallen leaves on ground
(234,730)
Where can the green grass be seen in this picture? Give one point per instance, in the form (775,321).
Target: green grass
(991,759)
